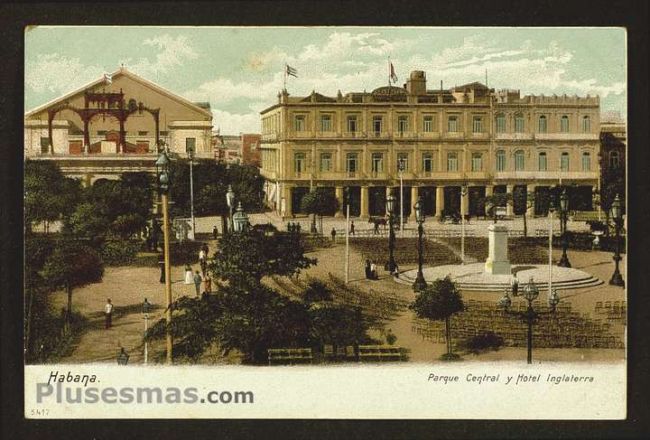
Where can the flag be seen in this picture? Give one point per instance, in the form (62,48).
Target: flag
(393,76)
(108,79)
(291,71)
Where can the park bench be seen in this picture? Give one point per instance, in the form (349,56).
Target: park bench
(284,356)
(380,353)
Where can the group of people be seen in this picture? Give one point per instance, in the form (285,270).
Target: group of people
(371,271)
(202,276)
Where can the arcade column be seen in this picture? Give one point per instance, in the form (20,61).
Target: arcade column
(530,210)
(338,192)
(489,190)
(414,198)
(509,206)
(440,200)
(364,202)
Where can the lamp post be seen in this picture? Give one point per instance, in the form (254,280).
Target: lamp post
(162,170)
(400,171)
(190,155)
(617,215)
(530,294)
(230,200)
(550,248)
(390,206)
(240,219)
(419,284)
(564,213)
(463,193)
(146,308)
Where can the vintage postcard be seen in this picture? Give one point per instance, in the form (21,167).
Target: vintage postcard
(325,222)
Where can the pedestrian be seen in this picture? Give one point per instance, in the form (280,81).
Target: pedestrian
(202,260)
(215,232)
(197,282)
(207,284)
(373,272)
(514,285)
(161,265)
(188,274)
(108,313)
(367,269)
(352,227)
(333,234)
(376,230)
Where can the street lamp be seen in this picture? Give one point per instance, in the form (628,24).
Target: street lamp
(230,200)
(564,214)
(190,155)
(390,206)
(617,215)
(162,170)
(530,294)
(463,193)
(419,284)
(146,308)
(400,171)
(240,219)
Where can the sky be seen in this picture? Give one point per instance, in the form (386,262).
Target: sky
(239,70)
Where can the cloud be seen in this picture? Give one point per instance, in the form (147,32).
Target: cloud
(172,52)
(235,123)
(54,73)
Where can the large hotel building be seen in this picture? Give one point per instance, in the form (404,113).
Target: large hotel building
(359,145)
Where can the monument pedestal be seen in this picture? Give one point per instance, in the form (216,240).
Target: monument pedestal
(497,262)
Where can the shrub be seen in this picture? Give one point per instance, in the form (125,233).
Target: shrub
(120,252)
(481,343)
(185,252)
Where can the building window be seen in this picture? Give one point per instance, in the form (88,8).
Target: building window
(542,124)
(143,133)
(326,123)
(299,123)
(351,162)
(477,124)
(452,124)
(519,123)
(586,161)
(564,162)
(542,164)
(45,144)
(452,161)
(614,159)
(427,162)
(162,133)
(352,124)
(501,123)
(564,124)
(326,161)
(190,145)
(299,163)
(377,162)
(402,124)
(377,122)
(477,162)
(501,160)
(427,124)
(101,132)
(402,162)
(519,160)
(586,124)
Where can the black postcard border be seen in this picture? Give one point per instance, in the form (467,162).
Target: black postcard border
(15,16)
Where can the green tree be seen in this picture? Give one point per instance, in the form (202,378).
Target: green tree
(527,200)
(319,202)
(439,301)
(72,264)
(317,291)
(248,319)
(496,200)
(336,324)
(247,257)
(49,195)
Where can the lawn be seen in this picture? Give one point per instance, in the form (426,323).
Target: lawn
(406,251)
(521,250)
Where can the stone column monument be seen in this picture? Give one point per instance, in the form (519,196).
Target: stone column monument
(497,262)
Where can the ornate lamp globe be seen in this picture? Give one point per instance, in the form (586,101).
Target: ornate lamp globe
(390,204)
(419,210)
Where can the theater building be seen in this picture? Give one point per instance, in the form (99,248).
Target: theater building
(358,145)
(114,125)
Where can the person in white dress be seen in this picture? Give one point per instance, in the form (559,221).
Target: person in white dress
(189,276)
